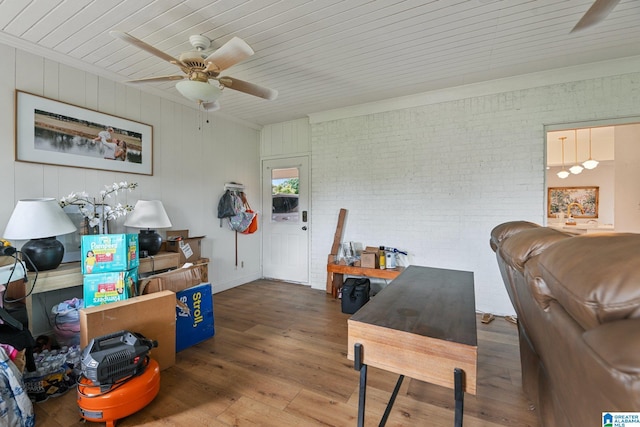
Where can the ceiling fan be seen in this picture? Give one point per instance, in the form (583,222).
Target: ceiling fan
(598,11)
(202,81)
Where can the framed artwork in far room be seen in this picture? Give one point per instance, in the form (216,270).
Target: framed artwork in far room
(583,201)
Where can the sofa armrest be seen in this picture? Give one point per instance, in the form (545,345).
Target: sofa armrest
(617,344)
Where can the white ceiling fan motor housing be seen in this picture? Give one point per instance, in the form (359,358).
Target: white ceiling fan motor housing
(200,42)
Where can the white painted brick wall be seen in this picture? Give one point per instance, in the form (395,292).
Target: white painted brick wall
(434,180)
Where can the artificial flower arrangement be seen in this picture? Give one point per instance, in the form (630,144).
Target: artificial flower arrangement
(97,210)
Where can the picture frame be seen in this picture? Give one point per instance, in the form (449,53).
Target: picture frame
(560,198)
(57,133)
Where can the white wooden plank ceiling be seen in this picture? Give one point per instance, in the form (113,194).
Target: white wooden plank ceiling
(324,54)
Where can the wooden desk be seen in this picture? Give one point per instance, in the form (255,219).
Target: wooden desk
(336,272)
(422,325)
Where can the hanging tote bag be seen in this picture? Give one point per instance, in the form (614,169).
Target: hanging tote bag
(253,227)
(241,221)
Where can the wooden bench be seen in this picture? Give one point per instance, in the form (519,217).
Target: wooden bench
(336,272)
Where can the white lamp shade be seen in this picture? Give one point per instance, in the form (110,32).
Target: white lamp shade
(148,214)
(590,164)
(563,174)
(36,219)
(576,169)
(199,91)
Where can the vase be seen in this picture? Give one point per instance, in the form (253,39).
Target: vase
(102,228)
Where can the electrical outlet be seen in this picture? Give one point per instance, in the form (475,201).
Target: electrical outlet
(241,264)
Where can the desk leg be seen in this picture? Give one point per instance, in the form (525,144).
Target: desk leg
(359,366)
(458,376)
(392,400)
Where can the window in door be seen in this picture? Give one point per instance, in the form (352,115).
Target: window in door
(284,195)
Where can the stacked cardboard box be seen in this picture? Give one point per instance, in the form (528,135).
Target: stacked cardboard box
(194,302)
(189,247)
(109,268)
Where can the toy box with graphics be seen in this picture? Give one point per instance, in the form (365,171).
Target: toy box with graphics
(104,253)
(103,288)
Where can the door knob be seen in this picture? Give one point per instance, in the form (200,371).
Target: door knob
(304,228)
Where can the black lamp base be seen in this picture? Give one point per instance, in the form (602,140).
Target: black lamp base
(45,253)
(150,241)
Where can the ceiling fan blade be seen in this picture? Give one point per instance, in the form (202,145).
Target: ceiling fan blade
(598,11)
(144,46)
(157,79)
(211,106)
(250,88)
(230,53)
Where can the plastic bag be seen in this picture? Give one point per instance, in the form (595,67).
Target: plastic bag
(66,321)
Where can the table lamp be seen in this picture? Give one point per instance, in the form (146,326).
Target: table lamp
(149,215)
(40,220)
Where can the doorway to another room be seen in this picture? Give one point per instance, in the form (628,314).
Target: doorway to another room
(595,163)
(286,222)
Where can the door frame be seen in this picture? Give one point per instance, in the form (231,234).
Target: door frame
(268,218)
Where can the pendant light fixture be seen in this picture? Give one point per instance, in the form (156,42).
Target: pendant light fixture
(576,168)
(590,163)
(563,173)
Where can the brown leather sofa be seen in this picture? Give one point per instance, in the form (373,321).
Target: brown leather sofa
(577,299)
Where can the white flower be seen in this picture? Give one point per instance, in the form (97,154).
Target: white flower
(89,206)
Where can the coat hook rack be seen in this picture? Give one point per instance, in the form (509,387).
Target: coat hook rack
(233,186)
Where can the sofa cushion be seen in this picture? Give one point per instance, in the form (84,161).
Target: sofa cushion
(618,344)
(507,229)
(595,277)
(518,248)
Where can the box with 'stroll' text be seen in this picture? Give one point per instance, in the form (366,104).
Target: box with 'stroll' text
(102,253)
(194,315)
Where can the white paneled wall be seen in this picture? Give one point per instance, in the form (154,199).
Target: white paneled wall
(285,139)
(435,179)
(194,155)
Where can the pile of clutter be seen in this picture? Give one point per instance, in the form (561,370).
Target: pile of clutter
(57,359)
(57,370)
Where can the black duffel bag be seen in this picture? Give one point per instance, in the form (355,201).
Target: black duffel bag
(355,294)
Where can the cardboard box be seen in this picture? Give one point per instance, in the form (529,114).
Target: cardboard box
(369,257)
(103,253)
(188,247)
(104,288)
(153,316)
(175,280)
(369,260)
(194,316)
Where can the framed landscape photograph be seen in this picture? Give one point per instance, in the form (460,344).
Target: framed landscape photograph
(582,201)
(57,133)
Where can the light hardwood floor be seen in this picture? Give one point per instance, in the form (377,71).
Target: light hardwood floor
(278,358)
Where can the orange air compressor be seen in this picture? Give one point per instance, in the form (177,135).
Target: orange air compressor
(118,378)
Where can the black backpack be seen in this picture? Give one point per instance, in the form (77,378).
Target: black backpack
(229,205)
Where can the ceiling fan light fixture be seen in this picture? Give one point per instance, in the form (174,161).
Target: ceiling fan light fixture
(198,91)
